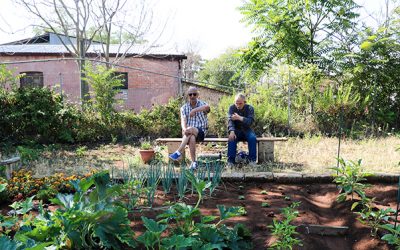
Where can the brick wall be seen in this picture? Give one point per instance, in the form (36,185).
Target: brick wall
(145,89)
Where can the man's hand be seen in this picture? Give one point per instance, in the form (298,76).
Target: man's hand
(232,136)
(236,117)
(192,113)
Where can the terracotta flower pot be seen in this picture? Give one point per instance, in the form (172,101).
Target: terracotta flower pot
(146,155)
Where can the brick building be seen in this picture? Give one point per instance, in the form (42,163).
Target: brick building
(150,78)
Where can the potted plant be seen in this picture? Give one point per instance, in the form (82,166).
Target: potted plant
(146,151)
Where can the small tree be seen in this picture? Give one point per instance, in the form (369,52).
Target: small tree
(104,83)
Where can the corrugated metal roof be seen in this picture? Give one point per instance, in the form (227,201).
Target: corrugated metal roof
(93,49)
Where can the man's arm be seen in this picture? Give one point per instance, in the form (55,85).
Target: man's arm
(202,108)
(248,119)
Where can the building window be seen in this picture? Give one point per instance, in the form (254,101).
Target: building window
(31,79)
(123,76)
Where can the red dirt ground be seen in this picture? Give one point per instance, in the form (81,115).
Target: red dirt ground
(318,206)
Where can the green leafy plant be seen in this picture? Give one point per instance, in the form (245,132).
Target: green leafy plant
(168,175)
(265,204)
(28,154)
(81,151)
(3,186)
(181,184)
(217,168)
(152,181)
(104,83)
(90,218)
(192,229)
(349,176)
(46,194)
(153,234)
(393,235)
(371,216)
(23,207)
(284,231)
(145,145)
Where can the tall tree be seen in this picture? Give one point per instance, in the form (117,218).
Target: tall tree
(299,31)
(223,70)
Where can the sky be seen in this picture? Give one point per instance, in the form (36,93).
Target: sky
(208,27)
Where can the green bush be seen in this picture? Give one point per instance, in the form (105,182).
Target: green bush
(36,114)
(162,120)
(218,118)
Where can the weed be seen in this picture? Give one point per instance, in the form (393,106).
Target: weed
(284,231)
(393,235)
(371,216)
(81,151)
(265,204)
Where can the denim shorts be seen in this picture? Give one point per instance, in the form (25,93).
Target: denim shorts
(200,135)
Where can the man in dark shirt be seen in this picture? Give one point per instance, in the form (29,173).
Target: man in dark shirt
(241,117)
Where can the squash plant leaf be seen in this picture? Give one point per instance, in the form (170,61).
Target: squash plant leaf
(114,225)
(153,226)
(230,212)
(64,200)
(8,244)
(177,242)
(208,219)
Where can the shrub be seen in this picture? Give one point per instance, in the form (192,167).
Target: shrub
(218,118)
(163,120)
(36,114)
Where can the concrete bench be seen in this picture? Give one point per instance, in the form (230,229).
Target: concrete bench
(265,145)
(8,163)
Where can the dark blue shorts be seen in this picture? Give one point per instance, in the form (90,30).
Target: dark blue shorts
(200,135)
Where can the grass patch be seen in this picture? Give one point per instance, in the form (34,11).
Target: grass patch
(309,155)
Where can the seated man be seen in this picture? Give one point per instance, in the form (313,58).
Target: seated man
(241,117)
(194,125)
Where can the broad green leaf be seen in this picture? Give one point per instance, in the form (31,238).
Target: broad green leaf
(149,239)
(177,242)
(3,187)
(8,244)
(40,246)
(208,219)
(64,200)
(230,212)
(153,226)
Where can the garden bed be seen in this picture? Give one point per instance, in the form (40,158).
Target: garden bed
(318,206)
(321,222)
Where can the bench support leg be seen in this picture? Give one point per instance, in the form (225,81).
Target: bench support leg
(265,151)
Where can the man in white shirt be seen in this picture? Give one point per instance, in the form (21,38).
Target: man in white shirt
(194,123)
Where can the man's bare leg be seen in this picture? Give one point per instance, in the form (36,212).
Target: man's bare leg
(185,140)
(190,132)
(192,148)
